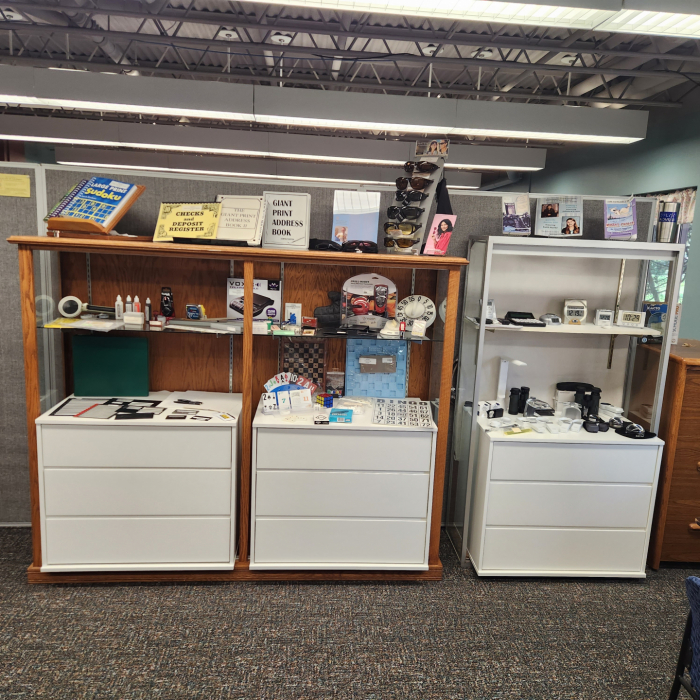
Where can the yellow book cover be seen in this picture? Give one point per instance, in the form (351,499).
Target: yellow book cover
(187,220)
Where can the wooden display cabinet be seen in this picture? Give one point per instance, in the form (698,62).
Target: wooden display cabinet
(99,269)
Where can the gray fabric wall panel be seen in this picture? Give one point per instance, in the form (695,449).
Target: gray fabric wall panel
(19,217)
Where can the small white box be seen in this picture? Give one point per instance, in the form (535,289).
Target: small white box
(134,318)
(301,400)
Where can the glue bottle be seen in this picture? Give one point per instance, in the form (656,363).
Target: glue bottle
(129,306)
(147,309)
(137,304)
(118,308)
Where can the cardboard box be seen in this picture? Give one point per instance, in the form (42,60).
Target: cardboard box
(267,299)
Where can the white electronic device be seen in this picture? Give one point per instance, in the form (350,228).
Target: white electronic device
(575,311)
(603,318)
(630,319)
(551,319)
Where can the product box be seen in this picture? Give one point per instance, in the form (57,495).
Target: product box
(676,324)
(267,299)
(656,313)
(340,415)
(335,383)
(368,300)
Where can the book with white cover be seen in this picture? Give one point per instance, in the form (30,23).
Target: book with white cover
(242,218)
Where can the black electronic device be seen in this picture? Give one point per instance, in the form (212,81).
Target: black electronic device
(514,401)
(525,319)
(167,303)
(524,396)
(260,302)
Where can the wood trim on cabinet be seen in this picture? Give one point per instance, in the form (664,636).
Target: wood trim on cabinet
(181,250)
(32,389)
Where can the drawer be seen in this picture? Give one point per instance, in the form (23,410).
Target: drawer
(568,505)
(337,494)
(680,543)
(331,543)
(137,540)
(552,550)
(347,450)
(579,462)
(137,492)
(136,446)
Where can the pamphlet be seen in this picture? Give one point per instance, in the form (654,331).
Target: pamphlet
(559,216)
(621,219)
(241,219)
(440,234)
(355,216)
(516,214)
(187,220)
(432,147)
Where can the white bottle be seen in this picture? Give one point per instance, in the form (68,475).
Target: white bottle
(129,306)
(147,309)
(118,308)
(137,304)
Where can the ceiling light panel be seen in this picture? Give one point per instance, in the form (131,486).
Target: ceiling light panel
(579,14)
(650,22)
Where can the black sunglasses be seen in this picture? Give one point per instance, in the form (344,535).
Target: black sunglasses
(417,183)
(402,213)
(323,244)
(423,166)
(360,247)
(410,195)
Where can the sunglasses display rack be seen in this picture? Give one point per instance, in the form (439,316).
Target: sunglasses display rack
(404,210)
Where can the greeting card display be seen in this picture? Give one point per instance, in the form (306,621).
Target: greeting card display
(368,300)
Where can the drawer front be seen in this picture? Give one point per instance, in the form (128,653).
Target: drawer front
(568,505)
(352,450)
(563,462)
(568,550)
(320,541)
(137,540)
(136,446)
(338,494)
(137,492)
(681,543)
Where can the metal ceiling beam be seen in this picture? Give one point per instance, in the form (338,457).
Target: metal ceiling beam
(358,30)
(244,75)
(259,49)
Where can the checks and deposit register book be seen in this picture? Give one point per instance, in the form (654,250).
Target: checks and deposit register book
(187,220)
(94,206)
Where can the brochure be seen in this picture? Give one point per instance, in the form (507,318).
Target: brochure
(355,216)
(516,215)
(432,147)
(440,234)
(559,216)
(621,219)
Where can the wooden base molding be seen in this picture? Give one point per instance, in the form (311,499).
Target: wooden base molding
(240,573)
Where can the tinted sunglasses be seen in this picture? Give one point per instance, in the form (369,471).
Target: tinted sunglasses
(410,196)
(402,229)
(404,242)
(404,212)
(423,166)
(322,244)
(360,246)
(417,183)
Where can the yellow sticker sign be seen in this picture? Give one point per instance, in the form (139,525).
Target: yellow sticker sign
(15,185)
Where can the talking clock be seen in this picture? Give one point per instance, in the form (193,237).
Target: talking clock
(603,318)
(575,311)
(414,308)
(630,319)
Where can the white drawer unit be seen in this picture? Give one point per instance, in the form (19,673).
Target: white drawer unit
(139,495)
(572,504)
(340,497)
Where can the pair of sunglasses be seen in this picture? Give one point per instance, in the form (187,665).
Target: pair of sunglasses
(404,242)
(401,229)
(323,244)
(360,247)
(423,166)
(410,195)
(417,183)
(402,213)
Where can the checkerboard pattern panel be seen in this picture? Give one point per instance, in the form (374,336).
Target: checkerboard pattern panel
(385,386)
(306,358)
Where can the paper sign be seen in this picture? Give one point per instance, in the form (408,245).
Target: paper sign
(15,185)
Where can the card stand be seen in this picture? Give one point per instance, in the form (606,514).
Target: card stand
(427,204)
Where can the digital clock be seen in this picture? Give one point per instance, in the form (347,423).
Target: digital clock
(575,311)
(603,318)
(630,319)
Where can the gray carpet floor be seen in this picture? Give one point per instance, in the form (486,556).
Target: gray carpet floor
(465,638)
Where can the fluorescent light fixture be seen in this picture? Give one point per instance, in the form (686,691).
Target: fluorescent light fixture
(582,15)
(247,168)
(654,22)
(257,144)
(319,108)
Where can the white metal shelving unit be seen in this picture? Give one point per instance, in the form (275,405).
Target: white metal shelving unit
(536,275)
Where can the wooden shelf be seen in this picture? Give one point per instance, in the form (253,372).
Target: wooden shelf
(181,250)
(584,329)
